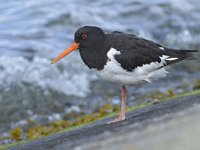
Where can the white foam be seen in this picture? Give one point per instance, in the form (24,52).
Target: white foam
(39,72)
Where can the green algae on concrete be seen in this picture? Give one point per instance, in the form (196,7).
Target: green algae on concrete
(103,113)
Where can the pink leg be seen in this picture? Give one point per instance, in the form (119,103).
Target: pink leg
(122,115)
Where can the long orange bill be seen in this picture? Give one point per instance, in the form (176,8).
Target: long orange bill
(73,47)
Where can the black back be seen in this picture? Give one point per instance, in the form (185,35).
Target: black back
(136,51)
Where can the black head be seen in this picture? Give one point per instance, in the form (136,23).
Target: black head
(89,37)
(90,41)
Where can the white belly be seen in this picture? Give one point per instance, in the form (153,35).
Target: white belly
(114,72)
(130,78)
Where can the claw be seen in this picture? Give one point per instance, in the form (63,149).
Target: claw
(117,120)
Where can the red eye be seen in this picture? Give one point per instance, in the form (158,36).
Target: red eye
(84,36)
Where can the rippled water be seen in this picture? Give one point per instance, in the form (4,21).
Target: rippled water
(33,32)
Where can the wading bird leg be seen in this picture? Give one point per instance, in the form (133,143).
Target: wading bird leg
(122,115)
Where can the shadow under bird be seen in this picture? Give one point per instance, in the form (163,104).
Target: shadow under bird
(123,58)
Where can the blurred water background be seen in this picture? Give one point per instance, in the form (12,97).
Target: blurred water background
(33,32)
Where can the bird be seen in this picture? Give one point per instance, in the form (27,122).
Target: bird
(123,58)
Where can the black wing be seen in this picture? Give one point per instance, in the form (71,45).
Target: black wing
(136,51)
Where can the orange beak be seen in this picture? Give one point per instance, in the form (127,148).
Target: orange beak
(73,47)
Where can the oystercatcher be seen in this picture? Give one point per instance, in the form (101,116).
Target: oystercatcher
(123,58)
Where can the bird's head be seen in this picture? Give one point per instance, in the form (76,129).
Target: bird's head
(85,37)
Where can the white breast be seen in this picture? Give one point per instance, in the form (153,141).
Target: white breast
(114,72)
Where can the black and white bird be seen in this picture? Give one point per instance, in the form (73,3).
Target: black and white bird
(123,58)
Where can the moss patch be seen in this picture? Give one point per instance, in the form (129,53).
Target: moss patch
(197,85)
(16,134)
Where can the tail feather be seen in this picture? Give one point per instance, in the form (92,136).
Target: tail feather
(182,55)
(191,54)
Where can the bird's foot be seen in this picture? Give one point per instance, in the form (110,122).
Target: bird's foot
(118,119)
